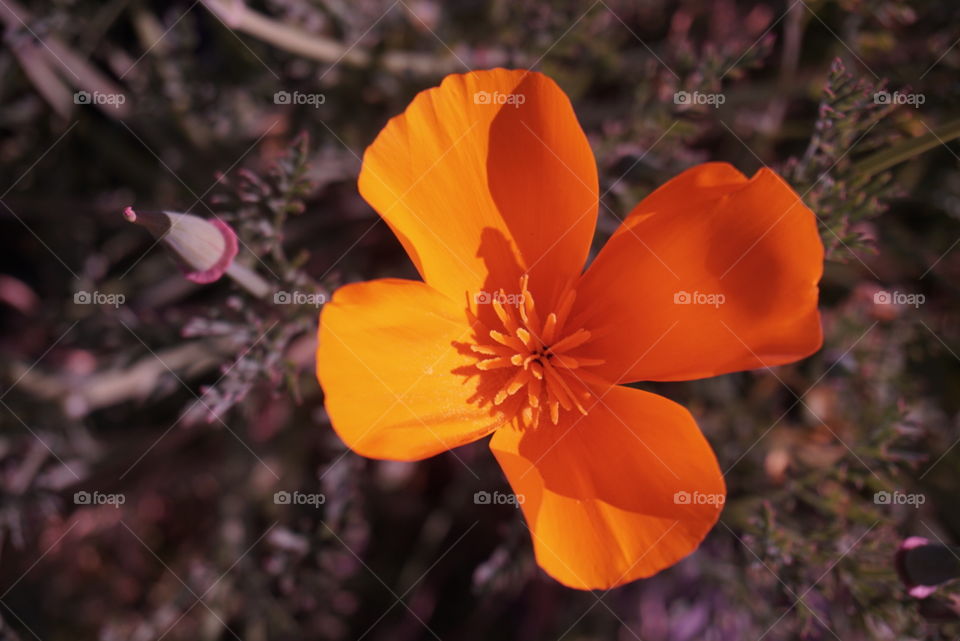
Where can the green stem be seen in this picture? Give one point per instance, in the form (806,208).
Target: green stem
(249,280)
(883,160)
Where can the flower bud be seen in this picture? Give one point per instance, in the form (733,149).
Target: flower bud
(923,565)
(203,249)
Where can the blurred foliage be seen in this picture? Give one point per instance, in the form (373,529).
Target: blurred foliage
(198,403)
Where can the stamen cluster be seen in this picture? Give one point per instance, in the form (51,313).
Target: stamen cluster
(539,350)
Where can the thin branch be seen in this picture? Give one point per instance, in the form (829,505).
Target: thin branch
(236,15)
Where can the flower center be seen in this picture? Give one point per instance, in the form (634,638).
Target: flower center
(537,353)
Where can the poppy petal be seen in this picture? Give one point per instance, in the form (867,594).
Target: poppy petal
(484,177)
(712,273)
(386,360)
(616,495)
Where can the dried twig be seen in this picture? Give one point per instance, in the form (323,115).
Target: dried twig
(236,15)
(60,60)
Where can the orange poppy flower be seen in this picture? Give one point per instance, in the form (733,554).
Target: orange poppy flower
(490,185)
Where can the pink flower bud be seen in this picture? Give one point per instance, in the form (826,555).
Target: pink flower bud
(924,565)
(203,248)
